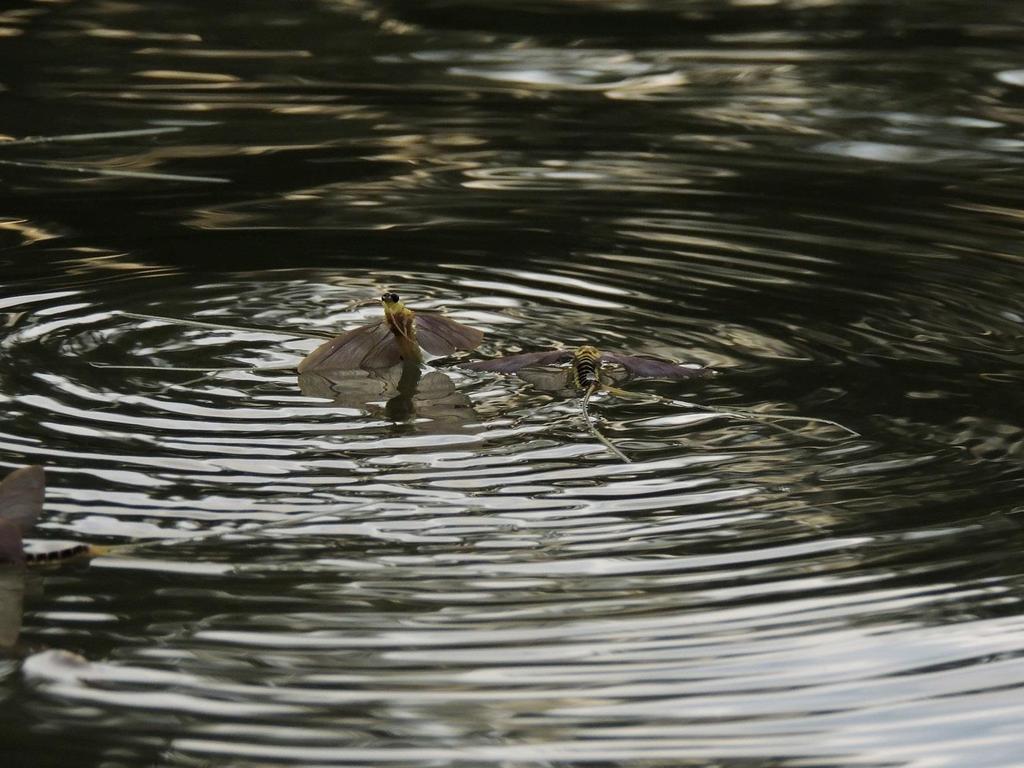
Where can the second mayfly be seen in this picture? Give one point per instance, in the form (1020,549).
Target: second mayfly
(584,375)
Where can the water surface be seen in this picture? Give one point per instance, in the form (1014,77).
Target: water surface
(820,200)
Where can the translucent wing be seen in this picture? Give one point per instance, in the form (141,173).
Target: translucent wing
(11,548)
(21,497)
(384,352)
(649,368)
(439,335)
(547,379)
(21,502)
(368,346)
(512,363)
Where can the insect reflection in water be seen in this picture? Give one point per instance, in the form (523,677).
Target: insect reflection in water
(409,394)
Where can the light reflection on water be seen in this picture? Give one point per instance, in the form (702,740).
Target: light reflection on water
(816,199)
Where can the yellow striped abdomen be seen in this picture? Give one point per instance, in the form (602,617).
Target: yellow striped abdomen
(586,365)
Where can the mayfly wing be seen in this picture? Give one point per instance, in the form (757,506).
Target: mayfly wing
(368,346)
(649,368)
(341,352)
(385,351)
(547,379)
(512,363)
(439,335)
(11,548)
(21,497)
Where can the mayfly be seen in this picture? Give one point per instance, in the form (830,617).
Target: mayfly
(635,367)
(21,503)
(22,494)
(402,336)
(585,374)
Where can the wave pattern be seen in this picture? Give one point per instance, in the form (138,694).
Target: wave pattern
(307,571)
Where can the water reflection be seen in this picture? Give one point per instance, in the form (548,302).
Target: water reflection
(519,532)
(430,400)
(819,199)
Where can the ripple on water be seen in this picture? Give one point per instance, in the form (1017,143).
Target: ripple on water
(320,572)
(501,445)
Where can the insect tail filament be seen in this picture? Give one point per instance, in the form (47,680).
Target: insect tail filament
(586,364)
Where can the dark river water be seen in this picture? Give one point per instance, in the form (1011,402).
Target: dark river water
(820,198)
